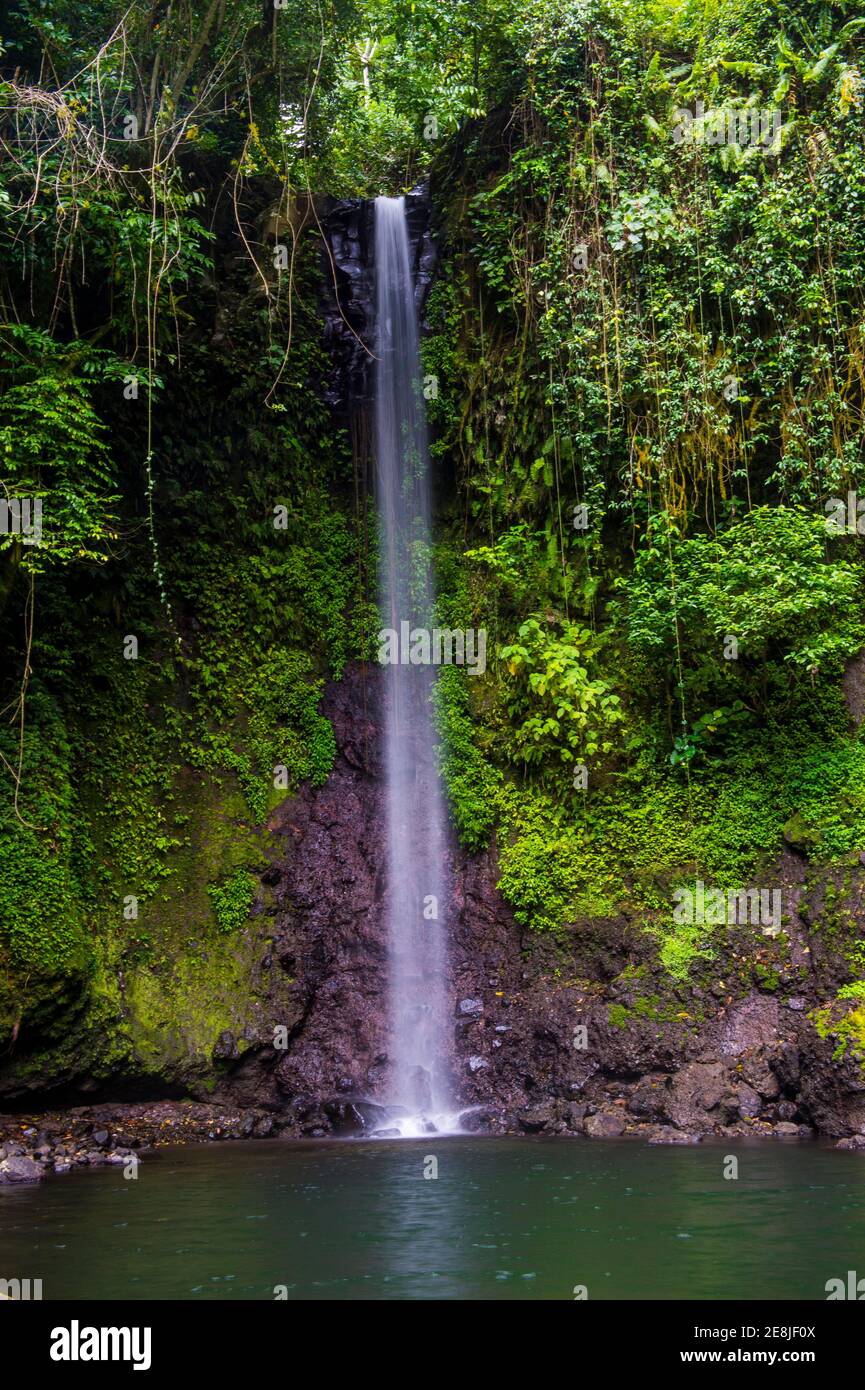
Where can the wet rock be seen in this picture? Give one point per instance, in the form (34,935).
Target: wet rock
(476,1121)
(476,1064)
(667,1134)
(346,1117)
(647,1099)
(607,1124)
(315,1123)
(786,1064)
(573,1116)
(100,1138)
(784,1130)
(470,1008)
(759,1074)
(225,1048)
(750,1103)
(19,1170)
(752,1023)
(696,1094)
(535,1121)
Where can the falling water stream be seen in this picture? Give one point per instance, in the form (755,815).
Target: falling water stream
(418,892)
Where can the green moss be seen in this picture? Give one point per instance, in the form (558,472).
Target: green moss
(768,977)
(232,900)
(846,1026)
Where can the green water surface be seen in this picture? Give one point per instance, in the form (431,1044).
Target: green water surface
(504,1219)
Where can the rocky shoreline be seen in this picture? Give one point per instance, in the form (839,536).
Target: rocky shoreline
(34,1146)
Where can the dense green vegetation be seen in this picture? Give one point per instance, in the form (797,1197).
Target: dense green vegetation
(650,365)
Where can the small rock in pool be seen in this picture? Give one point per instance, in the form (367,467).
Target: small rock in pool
(668,1135)
(385,1134)
(856,1141)
(19,1170)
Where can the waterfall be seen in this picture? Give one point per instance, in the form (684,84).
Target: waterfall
(418,893)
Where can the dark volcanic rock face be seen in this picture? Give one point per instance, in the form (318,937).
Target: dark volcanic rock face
(348,295)
(544,1037)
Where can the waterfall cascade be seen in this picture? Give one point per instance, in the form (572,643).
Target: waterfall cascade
(418,896)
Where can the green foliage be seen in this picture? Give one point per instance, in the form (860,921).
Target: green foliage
(845,1025)
(232,900)
(46,890)
(472,783)
(556,707)
(52,445)
(767,582)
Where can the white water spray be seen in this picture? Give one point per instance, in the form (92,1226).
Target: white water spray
(418,894)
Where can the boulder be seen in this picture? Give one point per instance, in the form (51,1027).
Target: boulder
(759,1074)
(666,1134)
(15,1169)
(607,1124)
(647,1099)
(696,1096)
(534,1121)
(750,1103)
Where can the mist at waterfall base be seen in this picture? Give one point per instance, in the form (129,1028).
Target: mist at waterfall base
(419,1098)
